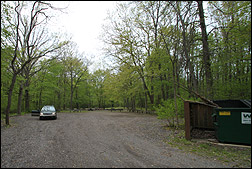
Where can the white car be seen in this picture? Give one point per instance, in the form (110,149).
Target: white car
(48,112)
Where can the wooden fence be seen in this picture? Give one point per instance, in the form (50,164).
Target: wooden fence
(197,115)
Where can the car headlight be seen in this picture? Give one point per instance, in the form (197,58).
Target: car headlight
(41,114)
(53,113)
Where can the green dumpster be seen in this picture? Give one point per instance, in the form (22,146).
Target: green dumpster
(233,121)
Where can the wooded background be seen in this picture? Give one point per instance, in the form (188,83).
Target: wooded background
(161,51)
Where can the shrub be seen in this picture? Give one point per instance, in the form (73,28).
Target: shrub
(166,110)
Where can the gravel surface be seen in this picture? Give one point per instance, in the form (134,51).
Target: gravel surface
(96,139)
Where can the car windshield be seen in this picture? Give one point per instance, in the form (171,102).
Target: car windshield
(48,108)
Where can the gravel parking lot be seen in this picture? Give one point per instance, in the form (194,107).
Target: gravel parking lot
(96,139)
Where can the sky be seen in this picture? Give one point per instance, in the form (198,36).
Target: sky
(83,21)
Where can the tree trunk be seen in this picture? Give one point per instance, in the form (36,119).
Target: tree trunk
(127,103)
(166,78)
(27,99)
(64,93)
(20,95)
(71,99)
(7,117)
(76,97)
(175,93)
(59,101)
(133,104)
(145,101)
(152,91)
(40,98)
(206,53)
(27,104)
(147,90)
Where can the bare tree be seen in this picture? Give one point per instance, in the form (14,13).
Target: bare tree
(30,40)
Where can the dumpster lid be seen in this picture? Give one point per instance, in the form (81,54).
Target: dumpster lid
(247,102)
(233,103)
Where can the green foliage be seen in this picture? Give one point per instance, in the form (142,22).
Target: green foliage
(167,110)
(6,11)
(232,59)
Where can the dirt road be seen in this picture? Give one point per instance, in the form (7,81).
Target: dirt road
(94,139)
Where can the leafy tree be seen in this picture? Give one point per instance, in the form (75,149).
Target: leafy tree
(231,46)
(6,12)
(76,69)
(97,81)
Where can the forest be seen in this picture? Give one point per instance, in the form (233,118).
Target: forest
(161,53)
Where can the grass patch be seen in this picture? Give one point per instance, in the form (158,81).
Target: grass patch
(12,114)
(239,156)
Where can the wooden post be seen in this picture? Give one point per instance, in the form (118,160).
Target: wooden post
(187,120)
